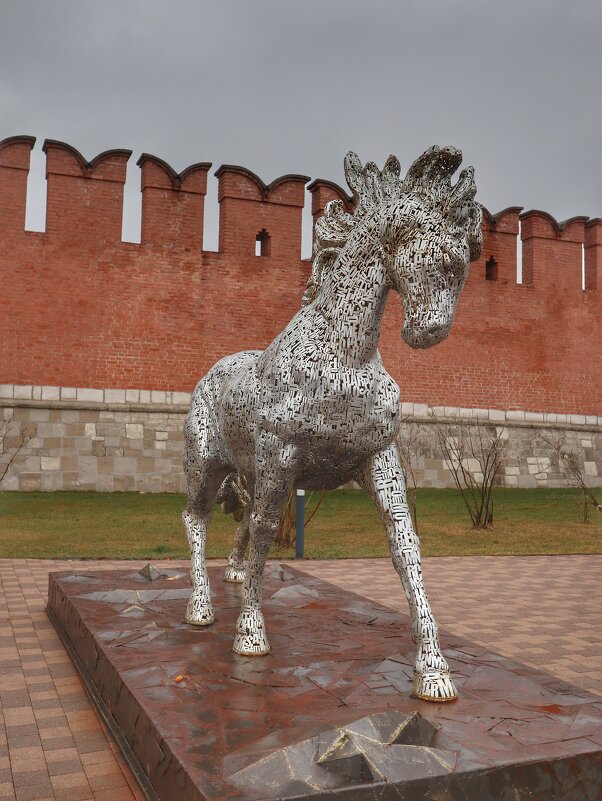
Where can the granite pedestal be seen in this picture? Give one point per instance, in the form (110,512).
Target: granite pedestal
(328,715)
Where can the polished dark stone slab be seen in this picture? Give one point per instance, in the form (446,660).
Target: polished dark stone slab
(328,715)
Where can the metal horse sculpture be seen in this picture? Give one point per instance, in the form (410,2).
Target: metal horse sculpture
(317,407)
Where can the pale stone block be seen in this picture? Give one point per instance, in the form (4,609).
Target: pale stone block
(473,466)
(145,396)
(451,411)
(68,393)
(421,409)
(515,415)
(511,481)
(23,391)
(586,443)
(481,414)
(11,482)
(183,398)
(90,395)
(132,395)
(90,429)
(125,466)
(51,393)
(590,468)
(32,464)
(591,420)
(161,445)
(39,415)
(50,482)
(496,414)
(114,395)
(562,418)
(577,419)
(438,411)
(36,393)
(134,430)
(110,428)
(161,435)
(534,417)
(502,432)
(157,396)
(512,470)
(407,408)
(50,463)
(7,390)
(550,417)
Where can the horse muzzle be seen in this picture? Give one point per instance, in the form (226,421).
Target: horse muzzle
(424,336)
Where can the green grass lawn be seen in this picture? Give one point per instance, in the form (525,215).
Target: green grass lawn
(122,525)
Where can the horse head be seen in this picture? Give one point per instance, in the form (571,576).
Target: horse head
(427,229)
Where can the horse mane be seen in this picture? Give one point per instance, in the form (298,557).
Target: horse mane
(429,177)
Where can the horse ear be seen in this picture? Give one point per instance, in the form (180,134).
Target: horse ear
(354,172)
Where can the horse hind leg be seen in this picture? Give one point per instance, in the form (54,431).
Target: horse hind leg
(199,611)
(235,570)
(236,501)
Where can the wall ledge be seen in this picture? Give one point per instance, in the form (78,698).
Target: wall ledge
(172,402)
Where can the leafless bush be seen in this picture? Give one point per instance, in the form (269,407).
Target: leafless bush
(473,454)
(410,444)
(286,533)
(569,464)
(9,454)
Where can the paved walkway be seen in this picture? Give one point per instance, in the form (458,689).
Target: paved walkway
(544,611)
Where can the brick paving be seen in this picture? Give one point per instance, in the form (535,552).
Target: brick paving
(543,611)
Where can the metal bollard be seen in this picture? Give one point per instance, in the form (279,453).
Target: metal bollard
(299,524)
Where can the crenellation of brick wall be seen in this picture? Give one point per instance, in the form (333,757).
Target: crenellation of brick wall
(81,308)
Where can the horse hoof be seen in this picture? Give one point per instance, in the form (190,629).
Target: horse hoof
(251,639)
(199,613)
(434,685)
(251,645)
(236,575)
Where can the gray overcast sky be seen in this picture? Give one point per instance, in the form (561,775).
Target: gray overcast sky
(283,87)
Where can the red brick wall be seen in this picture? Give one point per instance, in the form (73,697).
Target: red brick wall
(81,308)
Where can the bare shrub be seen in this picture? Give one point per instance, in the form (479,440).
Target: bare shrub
(569,464)
(10,453)
(473,454)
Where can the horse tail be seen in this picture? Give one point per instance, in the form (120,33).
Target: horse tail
(233,496)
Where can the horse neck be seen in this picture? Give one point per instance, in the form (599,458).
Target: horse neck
(352,300)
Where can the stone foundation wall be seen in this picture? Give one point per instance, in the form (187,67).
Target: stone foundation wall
(118,440)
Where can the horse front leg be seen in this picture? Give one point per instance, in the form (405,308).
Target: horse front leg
(274,481)
(383,478)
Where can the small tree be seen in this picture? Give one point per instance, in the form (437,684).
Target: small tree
(8,455)
(569,464)
(473,454)
(410,444)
